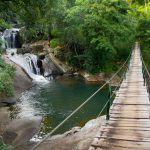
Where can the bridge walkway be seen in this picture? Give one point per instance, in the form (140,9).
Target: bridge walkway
(128,127)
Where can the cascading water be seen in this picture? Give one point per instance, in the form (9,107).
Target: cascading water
(10,41)
(32,62)
(27,61)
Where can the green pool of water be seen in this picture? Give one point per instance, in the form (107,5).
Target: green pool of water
(56,100)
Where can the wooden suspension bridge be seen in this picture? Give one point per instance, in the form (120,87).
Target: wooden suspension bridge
(127,125)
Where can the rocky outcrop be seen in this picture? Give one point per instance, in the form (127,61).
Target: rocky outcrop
(36,47)
(93,78)
(100,78)
(21,83)
(19,132)
(61,65)
(4,118)
(49,68)
(75,139)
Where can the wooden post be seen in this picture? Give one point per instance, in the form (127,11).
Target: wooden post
(109,103)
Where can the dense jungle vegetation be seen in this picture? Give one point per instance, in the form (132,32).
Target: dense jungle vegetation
(94,35)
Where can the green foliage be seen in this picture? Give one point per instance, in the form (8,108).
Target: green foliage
(4,146)
(143,31)
(95,35)
(6,78)
(96,28)
(4,24)
(54,43)
(56,33)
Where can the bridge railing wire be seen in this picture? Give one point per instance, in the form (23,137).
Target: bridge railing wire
(114,92)
(146,75)
(85,102)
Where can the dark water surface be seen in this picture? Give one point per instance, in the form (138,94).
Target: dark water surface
(57,99)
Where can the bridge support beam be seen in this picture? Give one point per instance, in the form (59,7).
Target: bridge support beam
(109,102)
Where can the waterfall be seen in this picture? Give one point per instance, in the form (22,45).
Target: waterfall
(32,63)
(27,61)
(10,38)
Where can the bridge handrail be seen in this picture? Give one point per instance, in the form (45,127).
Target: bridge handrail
(86,101)
(114,91)
(145,66)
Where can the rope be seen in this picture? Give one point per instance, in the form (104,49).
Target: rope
(145,66)
(79,107)
(109,98)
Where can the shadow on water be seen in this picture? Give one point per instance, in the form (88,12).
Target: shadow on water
(56,100)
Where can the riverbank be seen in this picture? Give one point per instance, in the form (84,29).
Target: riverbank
(76,139)
(17,132)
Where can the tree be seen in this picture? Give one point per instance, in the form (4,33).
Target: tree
(98,27)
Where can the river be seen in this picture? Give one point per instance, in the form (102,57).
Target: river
(55,100)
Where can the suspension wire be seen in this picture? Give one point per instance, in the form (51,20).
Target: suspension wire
(79,107)
(114,91)
(145,66)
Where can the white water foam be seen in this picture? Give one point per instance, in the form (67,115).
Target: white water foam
(29,63)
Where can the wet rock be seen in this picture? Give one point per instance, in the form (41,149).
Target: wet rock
(9,136)
(50,69)
(9,101)
(4,119)
(20,131)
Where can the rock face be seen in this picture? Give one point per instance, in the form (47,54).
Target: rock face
(37,47)
(100,78)
(50,69)
(20,131)
(75,139)
(21,83)
(4,118)
(93,78)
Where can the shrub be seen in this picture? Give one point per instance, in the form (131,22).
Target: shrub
(6,78)
(54,43)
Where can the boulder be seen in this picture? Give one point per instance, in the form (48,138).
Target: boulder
(19,132)
(75,139)
(50,69)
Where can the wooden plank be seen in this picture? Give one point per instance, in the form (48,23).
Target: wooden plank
(125,128)
(124,138)
(132,104)
(121,143)
(127,125)
(115,147)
